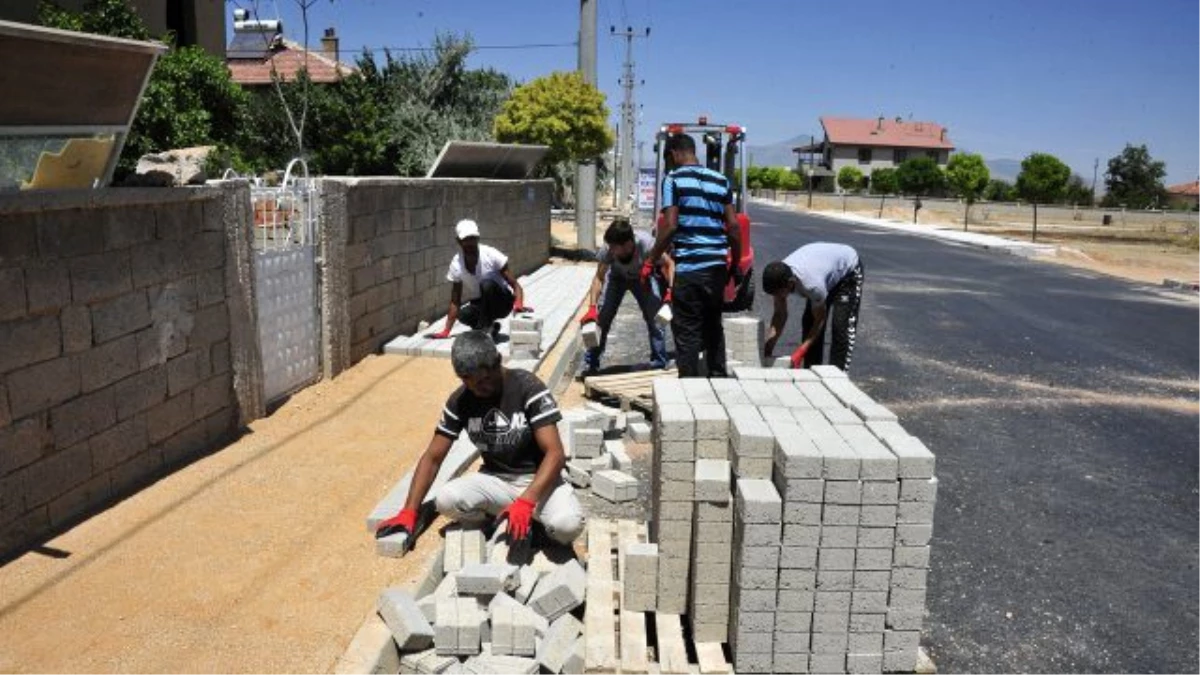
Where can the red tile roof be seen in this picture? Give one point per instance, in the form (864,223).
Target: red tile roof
(288,62)
(1191,189)
(888,133)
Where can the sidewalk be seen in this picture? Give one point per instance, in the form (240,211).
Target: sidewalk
(986,241)
(252,559)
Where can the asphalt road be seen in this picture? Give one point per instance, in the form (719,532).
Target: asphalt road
(1062,407)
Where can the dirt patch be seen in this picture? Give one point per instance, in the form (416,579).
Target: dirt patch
(254,559)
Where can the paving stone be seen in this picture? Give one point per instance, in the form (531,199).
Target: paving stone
(639,432)
(590,334)
(899,662)
(712,480)
(880,492)
(911,556)
(876,537)
(409,627)
(918,489)
(426,662)
(586,443)
(878,463)
(843,492)
(911,534)
(864,662)
(578,473)
(712,422)
(875,515)
(641,577)
(873,559)
(615,486)
(871,411)
(915,512)
(600,462)
(915,460)
(866,623)
(620,458)
(675,422)
(527,578)
(559,643)
(487,578)
(560,591)
(758,502)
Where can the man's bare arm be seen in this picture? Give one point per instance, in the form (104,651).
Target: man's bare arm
(662,238)
(518,292)
(733,234)
(455,302)
(778,321)
(597,284)
(427,468)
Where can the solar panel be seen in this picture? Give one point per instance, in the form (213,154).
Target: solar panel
(462,159)
(250,45)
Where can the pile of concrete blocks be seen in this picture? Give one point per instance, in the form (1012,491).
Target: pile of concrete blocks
(743,340)
(525,337)
(496,609)
(597,458)
(827,539)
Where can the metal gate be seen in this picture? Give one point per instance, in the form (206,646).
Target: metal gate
(286,282)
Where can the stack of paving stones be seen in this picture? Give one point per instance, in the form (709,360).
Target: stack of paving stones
(743,340)
(593,438)
(525,338)
(496,610)
(828,535)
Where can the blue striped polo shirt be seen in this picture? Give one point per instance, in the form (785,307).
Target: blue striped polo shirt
(701,195)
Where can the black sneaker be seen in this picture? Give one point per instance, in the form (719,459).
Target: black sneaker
(495,331)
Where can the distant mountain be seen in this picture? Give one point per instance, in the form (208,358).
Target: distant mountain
(775,154)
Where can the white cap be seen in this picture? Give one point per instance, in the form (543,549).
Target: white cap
(466,228)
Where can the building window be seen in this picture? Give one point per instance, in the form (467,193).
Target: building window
(933,154)
(864,155)
(900,156)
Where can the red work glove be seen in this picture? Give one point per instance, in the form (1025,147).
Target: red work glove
(667,297)
(441,335)
(405,521)
(798,356)
(519,514)
(646,273)
(519,308)
(591,315)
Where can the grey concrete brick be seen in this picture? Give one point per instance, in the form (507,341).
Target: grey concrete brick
(911,556)
(915,512)
(749,642)
(761,557)
(668,391)
(830,622)
(909,578)
(120,316)
(675,422)
(872,580)
(827,663)
(527,578)
(759,534)
(838,536)
(28,341)
(828,372)
(408,625)
(753,578)
(746,411)
(615,486)
(119,443)
(712,478)
(586,443)
(677,451)
(560,591)
(835,559)
(918,489)
(601,462)
(671,490)
(839,416)
(775,415)
(68,234)
(755,601)
(753,467)
(866,623)
(801,535)
(698,390)
(798,557)
(578,473)
(754,622)
(878,463)
(796,601)
(840,514)
(487,579)
(915,460)
(810,490)
(109,363)
(901,640)
(752,439)
(869,602)
(796,456)
(863,662)
(794,622)
(753,662)
(889,432)
(712,596)
(639,432)
(788,395)
(908,534)
(76,329)
(674,512)
(426,662)
(832,602)
(672,470)
(712,631)
(712,449)
(835,580)
(576,661)
(899,662)
(801,513)
(873,559)
(905,619)
(819,396)
(620,458)
(83,417)
(46,283)
(878,515)
(880,492)
(712,423)
(786,662)
(829,643)
(758,502)
(797,580)
(876,537)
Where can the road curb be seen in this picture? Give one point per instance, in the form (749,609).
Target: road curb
(1011,247)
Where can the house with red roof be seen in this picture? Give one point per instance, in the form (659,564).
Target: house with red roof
(874,143)
(259,52)
(1184,195)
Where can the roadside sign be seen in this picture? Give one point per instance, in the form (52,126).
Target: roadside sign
(646,189)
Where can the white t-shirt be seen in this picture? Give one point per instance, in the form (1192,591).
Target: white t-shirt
(488,266)
(819,267)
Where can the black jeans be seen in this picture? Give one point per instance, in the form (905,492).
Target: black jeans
(842,305)
(494,302)
(697,306)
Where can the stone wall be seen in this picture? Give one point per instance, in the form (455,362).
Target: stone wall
(386,244)
(115,350)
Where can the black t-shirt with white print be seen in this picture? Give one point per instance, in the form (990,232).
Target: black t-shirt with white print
(502,427)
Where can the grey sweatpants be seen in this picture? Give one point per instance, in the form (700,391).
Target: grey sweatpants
(471,498)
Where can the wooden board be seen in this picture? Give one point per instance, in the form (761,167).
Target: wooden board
(600,635)
(672,654)
(712,658)
(631,389)
(633,624)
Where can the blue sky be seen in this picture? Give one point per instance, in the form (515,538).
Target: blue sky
(1075,78)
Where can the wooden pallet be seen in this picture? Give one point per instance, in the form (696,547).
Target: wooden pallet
(616,640)
(632,390)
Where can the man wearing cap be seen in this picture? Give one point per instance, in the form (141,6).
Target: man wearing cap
(481,277)
(829,277)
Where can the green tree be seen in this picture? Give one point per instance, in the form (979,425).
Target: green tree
(559,110)
(190,98)
(1078,192)
(1042,180)
(884,183)
(999,191)
(1134,179)
(920,177)
(967,176)
(849,178)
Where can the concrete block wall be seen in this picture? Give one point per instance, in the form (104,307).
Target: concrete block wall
(387,242)
(116,357)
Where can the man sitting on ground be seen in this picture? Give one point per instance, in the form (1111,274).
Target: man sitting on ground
(481,275)
(512,418)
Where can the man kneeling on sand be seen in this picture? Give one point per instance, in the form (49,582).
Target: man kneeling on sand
(512,418)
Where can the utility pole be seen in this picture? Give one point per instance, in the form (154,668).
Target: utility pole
(628,166)
(585,172)
(1095,170)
